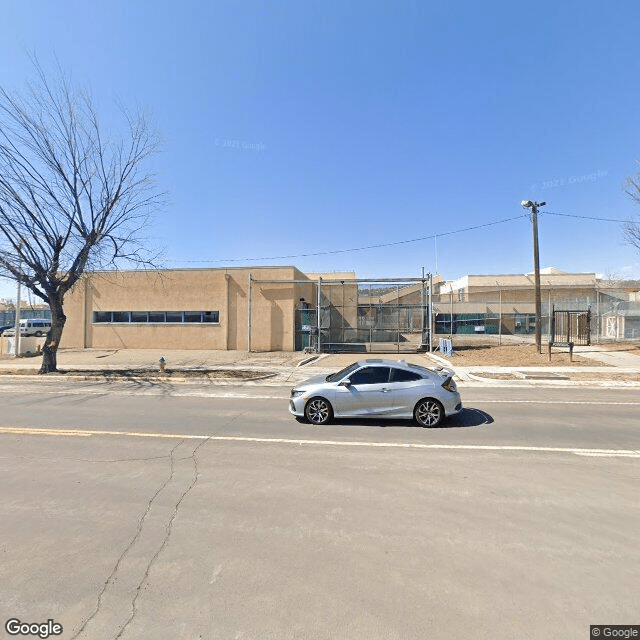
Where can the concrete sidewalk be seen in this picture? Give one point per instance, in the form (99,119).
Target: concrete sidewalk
(612,358)
(287,367)
(106,359)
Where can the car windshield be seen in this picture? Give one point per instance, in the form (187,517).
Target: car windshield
(343,372)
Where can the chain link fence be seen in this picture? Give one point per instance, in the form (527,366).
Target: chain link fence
(508,314)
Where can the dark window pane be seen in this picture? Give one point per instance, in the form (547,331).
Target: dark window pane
(156,316)
(174,316)
(370,375)
(102,316)
(139,316)
(211,316)
(120,316)
(193,316)
(400,375)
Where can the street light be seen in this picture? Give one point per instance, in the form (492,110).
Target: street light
(528,204)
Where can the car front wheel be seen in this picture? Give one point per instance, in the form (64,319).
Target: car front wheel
(428,413)
(318,411)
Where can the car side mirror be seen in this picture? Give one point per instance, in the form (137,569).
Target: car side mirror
(345,383)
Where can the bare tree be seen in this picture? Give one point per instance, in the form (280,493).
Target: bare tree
(632,228)
(71,199)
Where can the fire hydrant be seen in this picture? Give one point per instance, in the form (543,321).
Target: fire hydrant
(163,362)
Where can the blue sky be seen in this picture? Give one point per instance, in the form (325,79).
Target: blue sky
(300,127)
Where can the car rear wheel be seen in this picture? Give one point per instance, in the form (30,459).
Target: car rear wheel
(318,411)
(428,413)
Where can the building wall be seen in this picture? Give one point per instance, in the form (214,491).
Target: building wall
(222,290)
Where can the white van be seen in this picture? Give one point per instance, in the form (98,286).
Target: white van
(31,327)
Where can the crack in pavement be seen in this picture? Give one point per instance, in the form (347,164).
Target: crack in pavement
(145,578)
(112,576)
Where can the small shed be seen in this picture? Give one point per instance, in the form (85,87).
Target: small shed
(621,324)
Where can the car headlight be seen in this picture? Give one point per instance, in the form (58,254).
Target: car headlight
(296,392)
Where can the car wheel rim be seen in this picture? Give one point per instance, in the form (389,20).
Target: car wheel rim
(428,413)
(318,412)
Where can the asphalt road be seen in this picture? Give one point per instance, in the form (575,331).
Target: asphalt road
(134,510)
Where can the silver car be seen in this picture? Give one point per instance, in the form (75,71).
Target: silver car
(378,388)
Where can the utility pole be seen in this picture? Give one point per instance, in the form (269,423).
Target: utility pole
(534,206)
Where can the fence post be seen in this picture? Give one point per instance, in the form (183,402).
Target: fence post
(249,314)
(318,315)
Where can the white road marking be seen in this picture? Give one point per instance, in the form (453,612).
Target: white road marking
(590,402)
(627,453)
(613,454)
(284,395)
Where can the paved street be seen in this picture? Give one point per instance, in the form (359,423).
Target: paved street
(158,510)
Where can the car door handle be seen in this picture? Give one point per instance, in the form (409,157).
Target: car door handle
(384,390)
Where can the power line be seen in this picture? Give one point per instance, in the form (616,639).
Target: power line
(572,215)
(372,246)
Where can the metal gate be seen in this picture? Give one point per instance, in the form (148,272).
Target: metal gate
(374,316)
(571,327)
(332,315)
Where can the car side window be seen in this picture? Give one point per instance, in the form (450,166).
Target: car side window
(370,375)
(402,375)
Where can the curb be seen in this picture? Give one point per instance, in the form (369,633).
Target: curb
(553,383)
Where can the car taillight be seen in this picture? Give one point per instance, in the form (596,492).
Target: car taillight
(449,384)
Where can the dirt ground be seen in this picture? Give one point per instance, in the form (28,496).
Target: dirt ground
(514,355)
(574,375)
(151,374)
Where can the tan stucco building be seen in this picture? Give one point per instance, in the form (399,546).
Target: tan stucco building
(186,309)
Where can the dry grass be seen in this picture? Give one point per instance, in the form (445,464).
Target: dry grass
(148,374)
(516,355)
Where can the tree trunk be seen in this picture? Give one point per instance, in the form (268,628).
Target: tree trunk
(50,349)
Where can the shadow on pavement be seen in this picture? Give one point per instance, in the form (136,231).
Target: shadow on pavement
(468,417)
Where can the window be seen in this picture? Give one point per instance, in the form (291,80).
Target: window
(157,317)
(210,316)
(370,375)
(400,375)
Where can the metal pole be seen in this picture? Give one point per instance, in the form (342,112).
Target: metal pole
(342,315)
(18,337)
(500,321)
(536,267)
(451,331)
(249,309)
(318,315)
(423,311)
(430,312)
(370,322)
(598,313)
(398,315)
(549,312)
